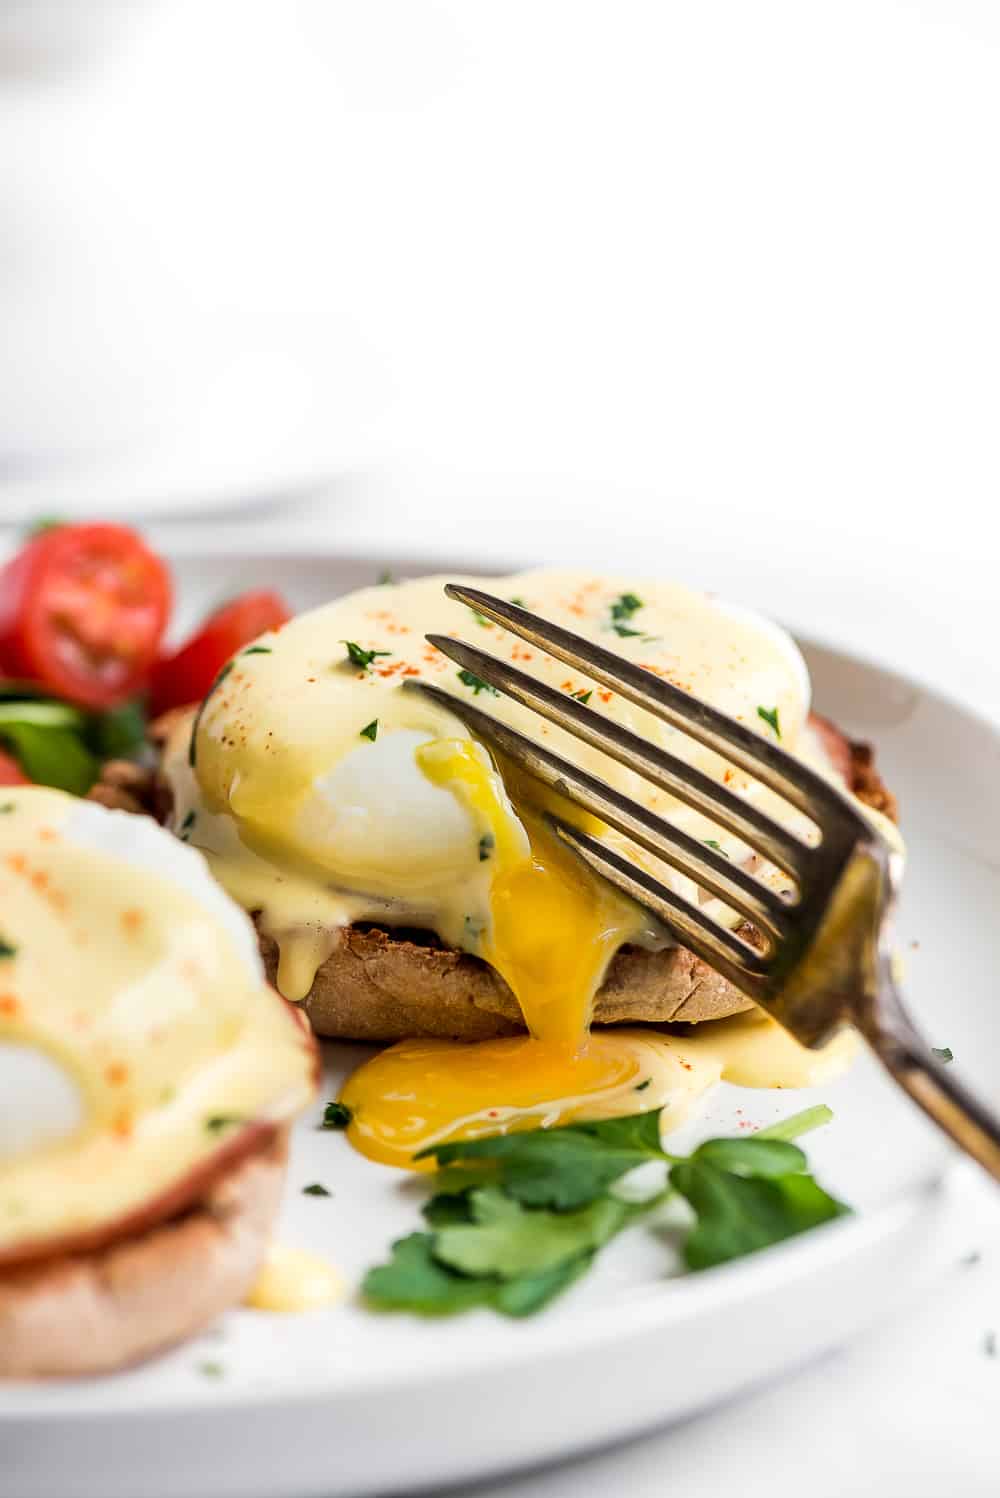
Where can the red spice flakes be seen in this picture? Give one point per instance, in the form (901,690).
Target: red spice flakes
(116,1073)
(39,880)
(132,920)
(519,653)
(9,1005)
(17,862)
(122,1126)
(411,670)
(605,696)
(48,835)
(310,679)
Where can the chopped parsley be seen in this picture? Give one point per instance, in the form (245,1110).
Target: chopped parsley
(385,579)
(220,1121)
(770,715)
(257,650)
(711,842)
(370,730)
(480,618)
(187,824)
(470,679)
(625,606)
(211,1370)
(519,602)
(517,1218)
(641,1086)
(362,658)
(944,1053)
(6,807)
(316,1189)
(582,696)
(7,949)
(624,633)
(336,1116)
(486,843)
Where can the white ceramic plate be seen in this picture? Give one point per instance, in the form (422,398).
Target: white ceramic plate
(346,1402)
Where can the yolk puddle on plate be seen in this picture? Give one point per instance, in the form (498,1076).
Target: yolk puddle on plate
(554,929)
(292,1280)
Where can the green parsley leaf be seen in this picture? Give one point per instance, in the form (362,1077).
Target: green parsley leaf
(625,606)
(519,602)
(641,1086)
(187,824)
(316,1189)
(486,843)
(385,579)
(517,1218)
(8,806)
(6,949)
(469,679)
(480,619)
(370,730)
(362,658)
(624,632)
(944,1053)
(582,696)
(258,650)
(711,842)
(336,1116)
(413,1280)
(211,1370)
(47,741)
(117,733)
(770,715)
(220,1121)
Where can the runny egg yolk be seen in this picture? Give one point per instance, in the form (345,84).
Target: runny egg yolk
(553,929)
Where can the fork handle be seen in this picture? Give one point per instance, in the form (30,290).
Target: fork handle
(898,1044)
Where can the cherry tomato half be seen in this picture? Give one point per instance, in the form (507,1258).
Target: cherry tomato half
(187,675)
(10,771)
(82,611)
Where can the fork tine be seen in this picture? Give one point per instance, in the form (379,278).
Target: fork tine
(731,884)
(733,741)
(723,950)
(666,770)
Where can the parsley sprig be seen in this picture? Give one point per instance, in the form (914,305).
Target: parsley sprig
(362,658)
(770,715)
(517,1218)
(470,679)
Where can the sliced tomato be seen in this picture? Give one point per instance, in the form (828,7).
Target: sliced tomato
(83,609)
(187,675)
(10,771)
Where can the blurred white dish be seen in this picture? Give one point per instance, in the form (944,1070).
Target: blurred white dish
(343,1402)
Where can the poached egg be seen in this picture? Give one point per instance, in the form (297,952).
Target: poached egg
(138,1037)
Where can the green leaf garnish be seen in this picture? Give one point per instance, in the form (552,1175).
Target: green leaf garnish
(711,842)
(625,606)
(220,1121)
(7,949)
(385,579)
(370,730)
(362,658)
(486,843)
(316,1189)
(518,1217)
(770,715)
(943,1052)
(211,1370)
(47,741)
(336,1116)
(519,602)
(469,679)
(582,696)
(480,619)
(187,824)
(258,650)
(624,633)
(117,733)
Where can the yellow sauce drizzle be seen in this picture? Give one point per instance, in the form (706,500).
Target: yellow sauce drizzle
(292,1280)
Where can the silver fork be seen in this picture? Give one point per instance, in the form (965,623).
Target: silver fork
(824,956)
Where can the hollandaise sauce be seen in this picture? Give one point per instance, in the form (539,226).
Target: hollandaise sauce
(325,792)
(137,1034)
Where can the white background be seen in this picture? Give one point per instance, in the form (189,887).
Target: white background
(699,287)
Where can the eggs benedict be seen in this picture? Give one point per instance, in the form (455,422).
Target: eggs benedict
(405,885)
(148,1076)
